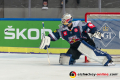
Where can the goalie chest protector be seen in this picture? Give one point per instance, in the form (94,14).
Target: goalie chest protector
(73,35)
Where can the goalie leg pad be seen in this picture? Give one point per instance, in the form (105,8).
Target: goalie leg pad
(94,54)
(65,59)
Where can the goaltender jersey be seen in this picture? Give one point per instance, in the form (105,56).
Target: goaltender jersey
(75,33)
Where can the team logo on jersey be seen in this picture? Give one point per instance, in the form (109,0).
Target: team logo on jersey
(72,74)
(75,30)
(91,25)
(65,33)
(73,39)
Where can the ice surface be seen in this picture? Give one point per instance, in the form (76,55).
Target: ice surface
(36,67)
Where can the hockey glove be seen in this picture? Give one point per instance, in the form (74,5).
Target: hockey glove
(98,35)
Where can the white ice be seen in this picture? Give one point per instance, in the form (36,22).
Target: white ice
(36,67)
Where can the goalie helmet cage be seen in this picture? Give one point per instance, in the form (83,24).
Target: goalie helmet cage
(96,16)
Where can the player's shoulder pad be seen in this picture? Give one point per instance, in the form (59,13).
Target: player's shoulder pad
(62,29)
(75,23)
(79,23)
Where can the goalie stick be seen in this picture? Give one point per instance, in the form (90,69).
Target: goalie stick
(46,46)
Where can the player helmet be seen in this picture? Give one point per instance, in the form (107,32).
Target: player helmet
(66,19)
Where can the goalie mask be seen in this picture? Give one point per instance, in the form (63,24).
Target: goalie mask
(66,19)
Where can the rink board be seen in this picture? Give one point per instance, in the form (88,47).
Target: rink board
(26,32)
(24,36)
(42,51)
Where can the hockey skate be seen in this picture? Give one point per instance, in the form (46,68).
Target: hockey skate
(111,63)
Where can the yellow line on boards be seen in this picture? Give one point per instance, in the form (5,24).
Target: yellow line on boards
(51,50)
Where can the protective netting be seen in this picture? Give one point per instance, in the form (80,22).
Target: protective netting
(109,25)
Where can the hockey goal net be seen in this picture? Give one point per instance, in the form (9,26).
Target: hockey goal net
(109,24)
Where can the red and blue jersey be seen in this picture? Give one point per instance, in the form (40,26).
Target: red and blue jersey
(76,33)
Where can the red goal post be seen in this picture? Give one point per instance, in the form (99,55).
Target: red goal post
(102,15)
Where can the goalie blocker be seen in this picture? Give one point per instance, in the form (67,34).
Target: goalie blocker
(91,52)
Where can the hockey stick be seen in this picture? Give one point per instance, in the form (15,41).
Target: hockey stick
(46,46)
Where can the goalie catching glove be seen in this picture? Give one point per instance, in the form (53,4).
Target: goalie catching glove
(45,43)
(98,35)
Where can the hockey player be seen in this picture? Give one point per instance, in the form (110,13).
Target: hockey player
(75,33)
